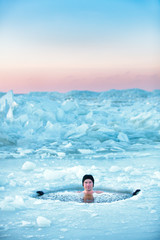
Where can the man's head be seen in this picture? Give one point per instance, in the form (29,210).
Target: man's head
(87,176)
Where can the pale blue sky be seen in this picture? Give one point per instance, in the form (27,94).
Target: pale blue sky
(80,37)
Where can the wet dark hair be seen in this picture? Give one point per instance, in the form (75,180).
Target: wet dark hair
(87,176)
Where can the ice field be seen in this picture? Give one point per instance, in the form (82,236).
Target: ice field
(48,141)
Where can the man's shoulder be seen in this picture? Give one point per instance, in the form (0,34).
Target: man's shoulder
(98,191)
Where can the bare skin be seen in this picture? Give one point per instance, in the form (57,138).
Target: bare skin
(88,191)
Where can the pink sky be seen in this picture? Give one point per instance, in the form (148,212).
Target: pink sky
(40,80)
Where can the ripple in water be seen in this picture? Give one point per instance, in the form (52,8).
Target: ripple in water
(73,196)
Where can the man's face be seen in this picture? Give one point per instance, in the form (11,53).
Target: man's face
(88,185)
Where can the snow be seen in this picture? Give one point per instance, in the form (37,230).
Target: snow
(18,201)
(114,169)
(27,166)
(43,222)
(48,141)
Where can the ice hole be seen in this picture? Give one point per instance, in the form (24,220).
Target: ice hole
(73,195)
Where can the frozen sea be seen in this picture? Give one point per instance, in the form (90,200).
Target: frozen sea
(49,140)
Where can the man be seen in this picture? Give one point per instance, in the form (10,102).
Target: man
(88,193)
(88,184)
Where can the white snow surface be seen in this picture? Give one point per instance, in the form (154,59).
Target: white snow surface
(50,140)
(43,222)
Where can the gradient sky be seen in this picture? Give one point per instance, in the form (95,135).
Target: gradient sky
(63,45)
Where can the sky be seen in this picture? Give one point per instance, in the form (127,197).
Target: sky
(64,45)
